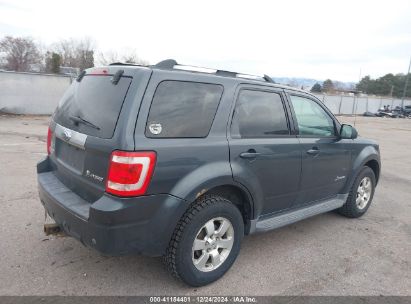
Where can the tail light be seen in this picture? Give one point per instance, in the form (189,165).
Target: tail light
(129,173)
(49,138)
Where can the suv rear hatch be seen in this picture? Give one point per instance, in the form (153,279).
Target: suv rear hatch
(83,129)
(92,105)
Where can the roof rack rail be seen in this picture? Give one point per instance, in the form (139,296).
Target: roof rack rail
(170,64)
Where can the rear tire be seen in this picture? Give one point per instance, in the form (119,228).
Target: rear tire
(361,194)
(206,241)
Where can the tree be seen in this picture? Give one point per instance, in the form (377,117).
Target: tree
(339,86)
(53,62)
(387,85)
(76,53)
(127,56)
(328,86)
(364,84)
(20,53)
(85,59)
(316,88)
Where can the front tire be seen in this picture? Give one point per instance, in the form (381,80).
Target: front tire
(206,241)
(361,195)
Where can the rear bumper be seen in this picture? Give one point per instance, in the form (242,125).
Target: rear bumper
(111,225)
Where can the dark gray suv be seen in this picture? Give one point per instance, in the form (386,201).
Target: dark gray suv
(182,162)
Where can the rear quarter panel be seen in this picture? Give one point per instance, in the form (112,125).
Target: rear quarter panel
(187,167)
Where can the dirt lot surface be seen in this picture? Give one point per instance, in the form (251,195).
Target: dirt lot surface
(324,255)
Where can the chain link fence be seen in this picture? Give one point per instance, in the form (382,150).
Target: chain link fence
(29,93)
(349,105)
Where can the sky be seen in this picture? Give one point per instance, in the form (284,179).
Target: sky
(341,40)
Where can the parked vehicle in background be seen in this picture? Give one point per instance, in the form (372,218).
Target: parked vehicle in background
(397,112)
(182,162)
(406,111)
(384,111)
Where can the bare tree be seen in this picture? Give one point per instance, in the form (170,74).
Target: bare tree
(339,86)
(76,53)
(108,57)
(19,53)
(85,53)
(126,56)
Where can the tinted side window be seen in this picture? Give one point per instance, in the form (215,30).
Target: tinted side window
(259,114)
(311,118)
(183,109)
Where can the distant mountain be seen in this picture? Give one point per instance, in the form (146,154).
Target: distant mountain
(307,83)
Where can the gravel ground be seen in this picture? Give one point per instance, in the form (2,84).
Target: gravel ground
(324,255)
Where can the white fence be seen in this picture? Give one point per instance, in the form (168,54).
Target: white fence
(358,105)
(29,93)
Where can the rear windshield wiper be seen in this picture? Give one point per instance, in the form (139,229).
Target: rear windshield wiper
(82,120)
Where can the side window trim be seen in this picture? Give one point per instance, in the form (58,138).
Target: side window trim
(328,113)
(284,101)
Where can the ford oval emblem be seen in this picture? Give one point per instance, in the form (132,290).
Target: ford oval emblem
(67,135)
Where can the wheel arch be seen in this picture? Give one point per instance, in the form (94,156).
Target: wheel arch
(375,166)
(369,157)
(228,189)
(240,197)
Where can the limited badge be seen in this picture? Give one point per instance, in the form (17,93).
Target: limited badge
(155,128)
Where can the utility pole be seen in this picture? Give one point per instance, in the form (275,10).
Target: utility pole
(406,84)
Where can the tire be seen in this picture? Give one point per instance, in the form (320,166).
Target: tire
(181,256)
(352,208)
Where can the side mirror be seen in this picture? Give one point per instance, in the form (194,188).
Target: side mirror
(348,132)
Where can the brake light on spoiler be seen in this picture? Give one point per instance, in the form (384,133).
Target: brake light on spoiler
(129,173)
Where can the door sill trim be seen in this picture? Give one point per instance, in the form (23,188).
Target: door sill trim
(280,220)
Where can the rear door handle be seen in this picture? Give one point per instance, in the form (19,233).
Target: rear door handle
(313,151)
(249,154)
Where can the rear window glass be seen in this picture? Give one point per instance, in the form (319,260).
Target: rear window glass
(183,109)
(95,100)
